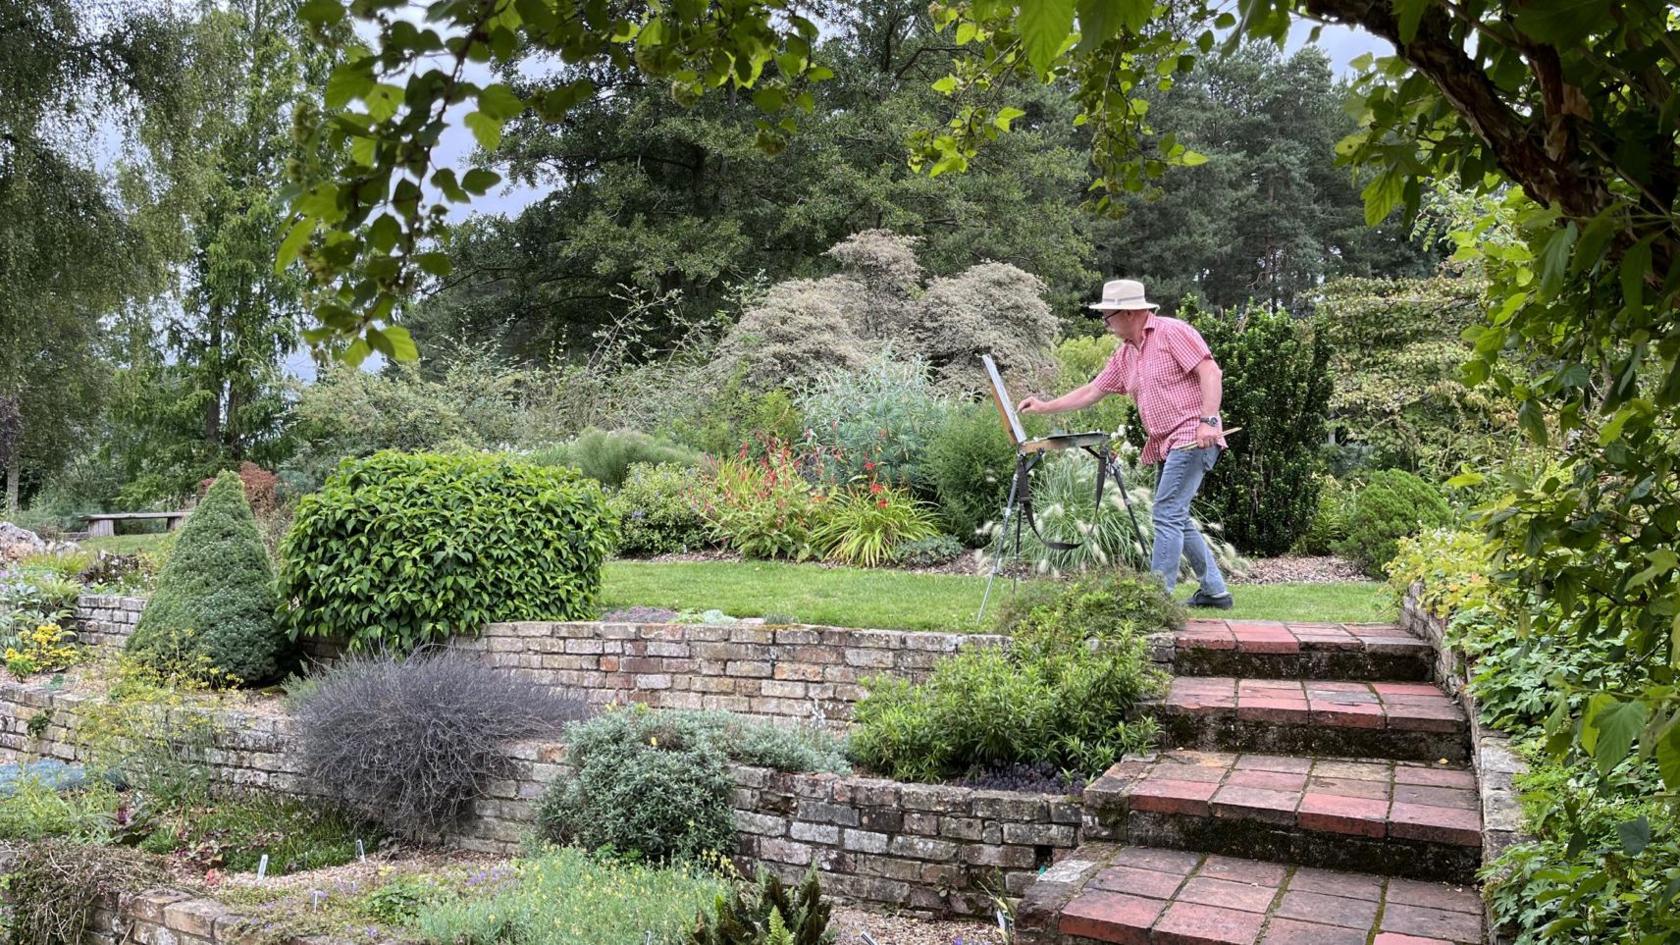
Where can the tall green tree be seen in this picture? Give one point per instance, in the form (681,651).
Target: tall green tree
(239,317)
(77,238)
(665,198)
(1270,215)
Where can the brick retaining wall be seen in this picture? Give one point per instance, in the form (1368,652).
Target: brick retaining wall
(785,673)
(934,850)
(931,849)
(175,917)
(788,673)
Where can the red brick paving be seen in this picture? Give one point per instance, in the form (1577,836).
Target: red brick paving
(1256,636)
(1402,707)
(1219,900)
(1359,798)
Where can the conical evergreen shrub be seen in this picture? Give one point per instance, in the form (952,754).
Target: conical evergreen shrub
(213,610)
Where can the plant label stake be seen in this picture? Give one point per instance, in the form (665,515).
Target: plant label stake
(1002,921)
(315,897)
(868,939)
(262,867)
(361,852)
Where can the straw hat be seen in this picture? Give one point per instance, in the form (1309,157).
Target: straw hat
(1122,294)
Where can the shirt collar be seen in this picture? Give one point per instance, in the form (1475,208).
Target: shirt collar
(1148,326)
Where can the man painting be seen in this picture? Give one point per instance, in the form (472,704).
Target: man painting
(1166,368)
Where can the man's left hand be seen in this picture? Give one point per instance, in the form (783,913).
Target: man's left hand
(1206,435)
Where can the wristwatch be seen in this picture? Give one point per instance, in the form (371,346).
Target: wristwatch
(1212,421)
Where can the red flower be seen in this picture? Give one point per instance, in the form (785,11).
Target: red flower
(876,488)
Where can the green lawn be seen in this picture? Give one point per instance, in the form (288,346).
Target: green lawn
(851,597)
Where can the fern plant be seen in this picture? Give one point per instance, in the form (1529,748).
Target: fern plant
(769,913)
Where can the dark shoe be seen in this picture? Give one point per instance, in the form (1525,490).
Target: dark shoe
(1201,599)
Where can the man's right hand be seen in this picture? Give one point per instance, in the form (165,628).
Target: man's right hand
(1030,405)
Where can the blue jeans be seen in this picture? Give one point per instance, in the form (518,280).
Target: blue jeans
(1181,476)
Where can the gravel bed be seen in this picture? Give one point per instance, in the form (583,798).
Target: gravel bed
(1301,569)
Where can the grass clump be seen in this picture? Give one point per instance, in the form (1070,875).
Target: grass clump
(54,886)
(234,833)
(569,897)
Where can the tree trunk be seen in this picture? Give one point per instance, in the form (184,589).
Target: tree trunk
(11,446)
(215,381)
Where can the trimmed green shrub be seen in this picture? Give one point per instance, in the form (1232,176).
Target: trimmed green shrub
(1391,505)
(653,785)
(658,510)
(1264,489)
(215,597)
(401,549)
(1092,606)
(768,913)
(607,455)
(968,463)
(926,552)
(1064,693)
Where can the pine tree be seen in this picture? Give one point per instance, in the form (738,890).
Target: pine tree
(215,601)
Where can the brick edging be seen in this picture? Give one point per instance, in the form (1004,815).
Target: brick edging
(1497,765)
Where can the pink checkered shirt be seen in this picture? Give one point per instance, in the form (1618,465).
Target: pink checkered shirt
(1161,377)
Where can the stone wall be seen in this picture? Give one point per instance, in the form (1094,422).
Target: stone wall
(930,849)
(248,749)
(105,621)
(174,917)
(790,673)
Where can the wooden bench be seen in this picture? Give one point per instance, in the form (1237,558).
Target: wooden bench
(104,524)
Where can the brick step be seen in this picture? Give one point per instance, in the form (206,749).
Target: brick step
(1147,896)
(1409,721)
(1270,650)
(1396,818)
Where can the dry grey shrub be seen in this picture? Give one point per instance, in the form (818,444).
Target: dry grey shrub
(993,308)
(800,331)
(805,328)
(409,744)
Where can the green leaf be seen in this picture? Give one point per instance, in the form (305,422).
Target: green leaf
(486,130)
(478,180)
(945,85)
(499,102)
(364,151)
(557,102)
(437,264)
(402,343)
(1668,758)
(384,232)
(1192,158)
(1563,22)
(1410,14)
(293,243)
(1045,25)
(1635,835)
(1610,727)
(348,82)
(1005,115)
(1382,195)
(382,101)
(1554,259)
(321,12)
(966,31)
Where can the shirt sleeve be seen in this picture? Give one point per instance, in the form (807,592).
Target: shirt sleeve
(1112,378)
(1186,346)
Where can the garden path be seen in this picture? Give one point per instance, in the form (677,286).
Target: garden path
(1317,792)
